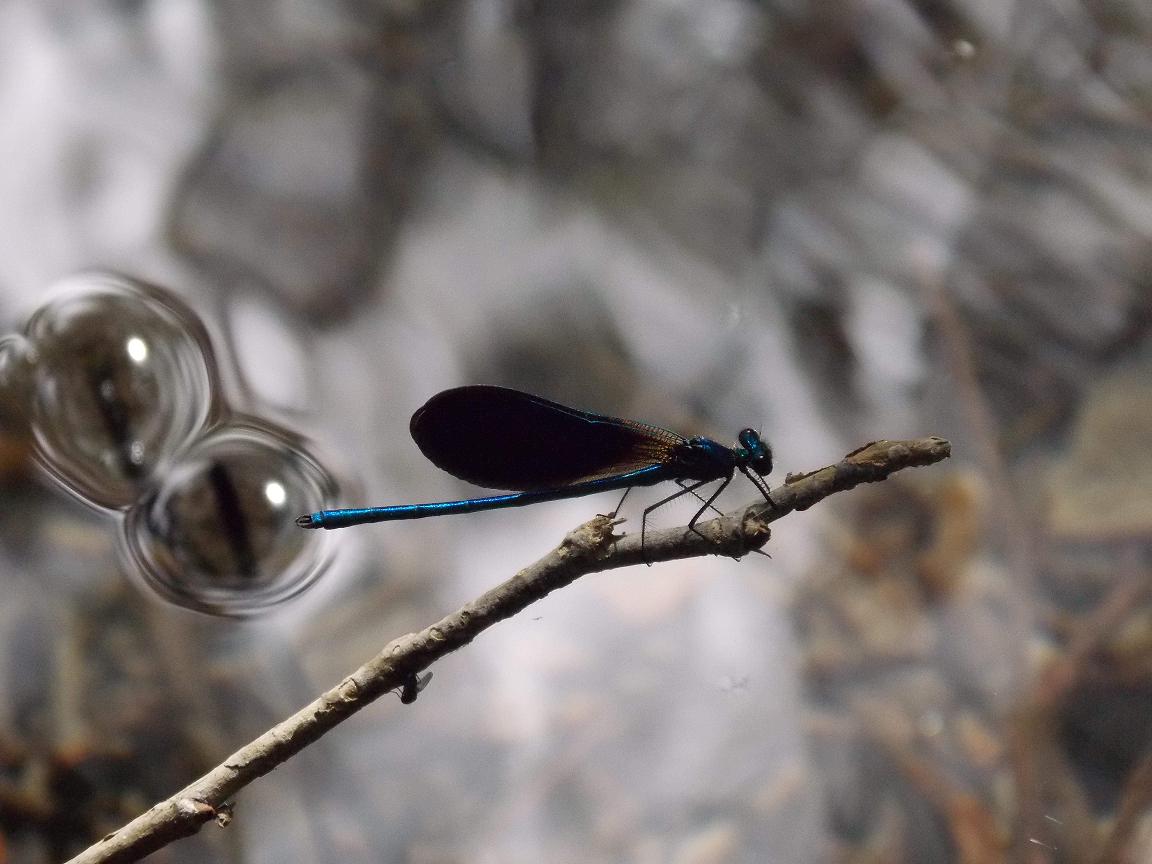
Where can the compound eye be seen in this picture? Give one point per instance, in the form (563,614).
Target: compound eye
(759,453)
(763,463)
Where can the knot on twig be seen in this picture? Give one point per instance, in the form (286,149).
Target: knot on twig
(736,534)
(194,810)
(754,529)
(592,539)
(349,689)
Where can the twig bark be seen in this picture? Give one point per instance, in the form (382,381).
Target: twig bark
(590,548)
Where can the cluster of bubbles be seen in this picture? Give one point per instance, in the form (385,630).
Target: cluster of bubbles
(116,383)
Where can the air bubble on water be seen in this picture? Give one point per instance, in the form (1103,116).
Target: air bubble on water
(218,532)
(123,377)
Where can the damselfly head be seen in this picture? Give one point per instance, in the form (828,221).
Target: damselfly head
(757,453)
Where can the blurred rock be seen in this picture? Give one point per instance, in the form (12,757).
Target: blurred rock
(1099,491)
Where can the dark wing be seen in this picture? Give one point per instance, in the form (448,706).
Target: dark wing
(505,439)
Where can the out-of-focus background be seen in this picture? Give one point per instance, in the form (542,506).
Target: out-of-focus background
(834,221)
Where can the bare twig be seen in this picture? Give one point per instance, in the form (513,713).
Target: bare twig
(589,549)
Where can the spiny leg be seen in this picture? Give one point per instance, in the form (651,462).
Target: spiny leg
(762,485)
(759,482)
(644,519)
(698,497)
(620,504)
(707,504)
